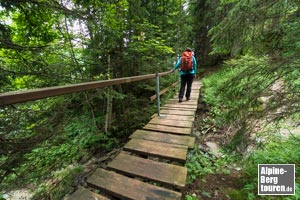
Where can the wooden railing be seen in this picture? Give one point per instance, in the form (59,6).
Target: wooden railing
(34,94)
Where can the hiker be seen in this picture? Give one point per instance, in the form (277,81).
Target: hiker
(187,65)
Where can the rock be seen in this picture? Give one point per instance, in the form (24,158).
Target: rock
(200,147)
(197,134)
(18,194)
(214,148)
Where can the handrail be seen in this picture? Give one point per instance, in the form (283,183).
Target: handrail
(9,98)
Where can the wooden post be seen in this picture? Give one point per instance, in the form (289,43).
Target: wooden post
(157,94)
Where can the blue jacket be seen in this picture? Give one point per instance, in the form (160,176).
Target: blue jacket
(177,65)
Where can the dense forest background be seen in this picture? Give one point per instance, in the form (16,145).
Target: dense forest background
(254,45)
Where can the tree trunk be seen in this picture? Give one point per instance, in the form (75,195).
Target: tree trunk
(108,116)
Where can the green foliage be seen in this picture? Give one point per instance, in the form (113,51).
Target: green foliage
(32,25)
(63,180)
(98,141)
(131,116)
(214,82)
(75,145)
(277,150)
(148,52)
(190,197)
(237,194)
(200,163)
(262,40)
(206,194)
(214,93)
(262,37)
(290,41)
(258,29)
(87,137)
(41,161)
(246,79)
(205,15)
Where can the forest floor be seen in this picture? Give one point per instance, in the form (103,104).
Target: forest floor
(214,185)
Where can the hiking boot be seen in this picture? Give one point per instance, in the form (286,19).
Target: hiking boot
(180,100)
(187,99)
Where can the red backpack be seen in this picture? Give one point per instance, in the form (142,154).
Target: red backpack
(186,61)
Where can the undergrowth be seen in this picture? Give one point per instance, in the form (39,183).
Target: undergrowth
(231,95)
(201,163)
(76,145)
(278,150)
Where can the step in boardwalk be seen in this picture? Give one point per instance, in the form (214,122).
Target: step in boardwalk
(151,164)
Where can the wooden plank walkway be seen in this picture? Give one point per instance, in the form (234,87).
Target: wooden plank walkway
(151,164)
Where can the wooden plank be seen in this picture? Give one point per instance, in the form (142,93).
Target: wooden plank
(193,92)
(128,188)
(168,129)
(193,101)
(181,105)
(169,174)
(169,122)
(178,108)
(196,87)
(84,194)
(159,149)
(175,117)
(164,137)
(190,102)
(178,112)
(196,84)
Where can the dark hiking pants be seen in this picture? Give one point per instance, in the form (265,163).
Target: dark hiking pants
(186,80)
